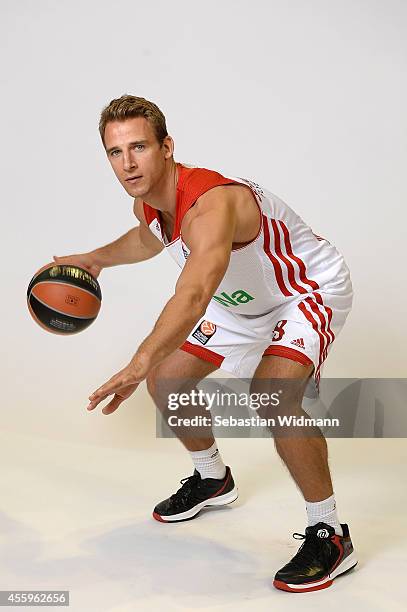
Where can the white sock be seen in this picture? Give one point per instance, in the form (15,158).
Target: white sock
(324,512)
(209,462)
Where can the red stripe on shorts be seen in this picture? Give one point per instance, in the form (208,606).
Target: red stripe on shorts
(321,316)
(315,324)
(288,353)
(329,313)
(202,353)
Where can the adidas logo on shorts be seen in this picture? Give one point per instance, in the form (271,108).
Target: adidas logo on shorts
(299,342)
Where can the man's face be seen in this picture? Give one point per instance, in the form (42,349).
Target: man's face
(136,157)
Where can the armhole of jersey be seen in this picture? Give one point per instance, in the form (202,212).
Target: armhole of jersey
(191,199)
(223,181)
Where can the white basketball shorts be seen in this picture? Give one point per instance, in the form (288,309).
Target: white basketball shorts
(302,329)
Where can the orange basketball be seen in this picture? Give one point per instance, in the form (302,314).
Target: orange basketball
(63,299)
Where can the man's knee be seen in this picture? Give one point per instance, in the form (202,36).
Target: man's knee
(151,382)
(163,381)
(179,372)
(158,385)
(280,383)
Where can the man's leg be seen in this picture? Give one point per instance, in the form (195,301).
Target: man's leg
(305,456)
(327,551)
(172,375)
(212,483)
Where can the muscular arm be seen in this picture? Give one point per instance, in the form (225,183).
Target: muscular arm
(209,236)
(138,244)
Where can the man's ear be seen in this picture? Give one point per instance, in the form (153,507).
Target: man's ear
(168,145)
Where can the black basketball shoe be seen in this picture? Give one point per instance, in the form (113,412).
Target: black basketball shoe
(321,558)
(195,494)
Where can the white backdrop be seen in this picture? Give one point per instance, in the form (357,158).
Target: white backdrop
(306,98)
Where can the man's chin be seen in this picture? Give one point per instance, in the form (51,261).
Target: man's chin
(135,191)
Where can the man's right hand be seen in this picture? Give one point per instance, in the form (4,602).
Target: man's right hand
(82,260)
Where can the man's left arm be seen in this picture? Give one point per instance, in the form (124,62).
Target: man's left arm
(210,237)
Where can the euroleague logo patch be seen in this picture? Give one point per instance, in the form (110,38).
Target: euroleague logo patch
(204,331)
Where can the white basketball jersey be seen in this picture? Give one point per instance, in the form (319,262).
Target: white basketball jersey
(285,260)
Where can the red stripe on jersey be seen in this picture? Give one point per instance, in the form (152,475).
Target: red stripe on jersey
(288,263)
(276,264)
(301,265)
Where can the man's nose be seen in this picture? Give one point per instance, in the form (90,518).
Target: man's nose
(129,163)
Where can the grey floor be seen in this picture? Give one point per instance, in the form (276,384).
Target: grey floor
(77,516)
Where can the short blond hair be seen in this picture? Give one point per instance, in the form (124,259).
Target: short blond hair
(127,107)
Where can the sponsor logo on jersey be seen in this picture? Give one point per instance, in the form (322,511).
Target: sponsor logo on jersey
(235,299)
(204,331)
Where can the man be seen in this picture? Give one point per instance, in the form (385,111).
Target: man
(259,295)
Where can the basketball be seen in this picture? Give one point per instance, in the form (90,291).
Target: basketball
(63,299)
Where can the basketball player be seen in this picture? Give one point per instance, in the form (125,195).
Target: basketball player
(259,295)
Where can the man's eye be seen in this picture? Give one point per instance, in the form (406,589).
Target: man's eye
(140,147)
(114,153)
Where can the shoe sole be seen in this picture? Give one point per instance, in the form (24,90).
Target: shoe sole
(348,564)
(221,500)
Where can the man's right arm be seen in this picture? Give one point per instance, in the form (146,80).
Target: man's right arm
(138,244)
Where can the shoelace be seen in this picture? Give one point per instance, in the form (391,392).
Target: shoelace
(312,547)
(181,496)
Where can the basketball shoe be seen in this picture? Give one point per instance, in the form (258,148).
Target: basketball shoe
(196,493)
(321,558)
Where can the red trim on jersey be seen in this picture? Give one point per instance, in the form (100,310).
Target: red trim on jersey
(150,213)
(202,353)
(301,265)
(289,353)
(276,264)
(288,263)
(192,183)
